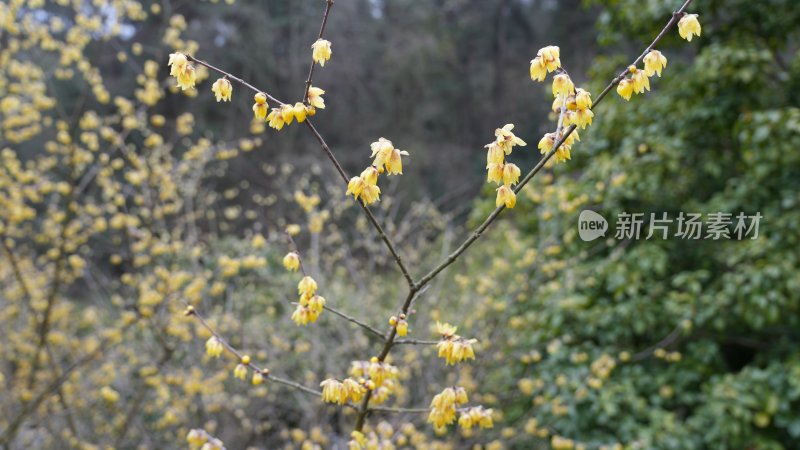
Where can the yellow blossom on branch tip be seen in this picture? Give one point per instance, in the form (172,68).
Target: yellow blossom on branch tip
(370,194)
(507,139)
(654,62)
(291,261)
(625,89)
(321,51)
(550,56)
(287,111)
(689,26)
(538,69)
(506,197)
(222,89)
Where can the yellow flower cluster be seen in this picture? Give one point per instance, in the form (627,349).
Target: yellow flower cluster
(547,60)
(310,305)
(477,416)
(382,378)
(286,114)
(183,72)
(454,348)
(240,371)
(200,439)
(340,392)
(387,158)
(321,51)
(639,81)
(444,406)
(500,171)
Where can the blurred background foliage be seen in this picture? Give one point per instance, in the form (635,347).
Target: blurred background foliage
(662,344)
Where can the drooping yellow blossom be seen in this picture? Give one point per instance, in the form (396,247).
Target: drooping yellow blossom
(507,139)
(258,378)
(495,154)
(625,89)
(583,99)
(477,416)
(300,112)
(494,173)
(321,51)
(387,157)
(275,118)
(402,328)
(547,60)
(689,26)
(214,347)
(505,196)
(446,330)
(222,89)
(307,286)
(562,85)
(654,62)
(287,111)
(511,174)
(353,389)
(640,81)
(183,72)
(240,371)
(315,97)
(260,106)
(456,350)
(583,118)
(562,154)
(355,186)
(333,391)
(291,261)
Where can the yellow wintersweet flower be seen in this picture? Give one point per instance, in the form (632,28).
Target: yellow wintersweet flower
(355,186)
(505,196)
(260,106)
(506,139)
(477,416)
(214,347)
(321,51)
(550,57)
(495,154)
(562,85)
(583,118)
(240,372)
(562,154)
(689,26)
(511,174)
(258,378)
(186,79)
(583,99)
(300,112)
(222,89)
(625,89)
(333,391)
(177,63)
(287,111)
(494,173)
(291,261)
(197,437)
(654,62)
(387,157)
(315,97)
(370,194)
(640,81)
(307,286)
(402,328)
(370,176)
(446,330)
(275,119)
(547,142)
(538,69)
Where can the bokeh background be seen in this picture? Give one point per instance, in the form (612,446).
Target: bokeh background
(122,199)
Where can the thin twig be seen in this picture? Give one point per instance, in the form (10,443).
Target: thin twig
(363,325)
(328,6)
(234,78)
